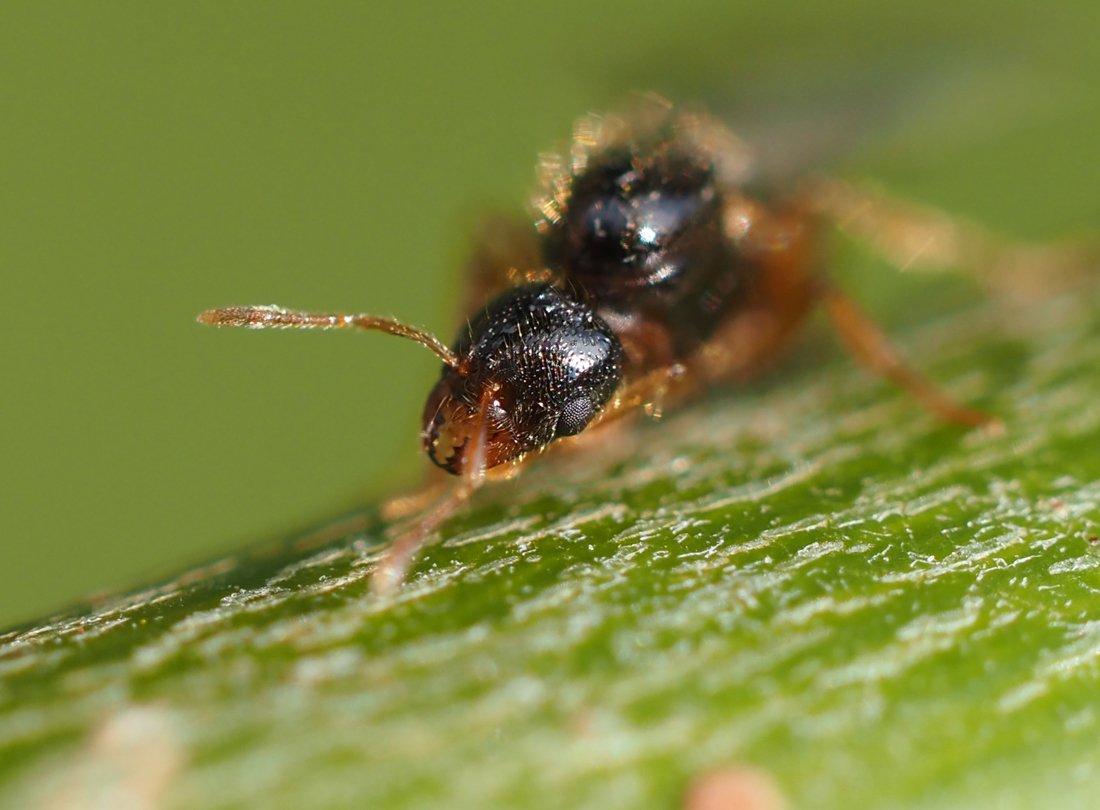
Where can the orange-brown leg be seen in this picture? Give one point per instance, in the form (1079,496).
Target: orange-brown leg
(915,237)
(402,506)
(649,393)
(393,567)
(873,350)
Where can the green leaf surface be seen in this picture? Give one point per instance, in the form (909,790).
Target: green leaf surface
(810,577)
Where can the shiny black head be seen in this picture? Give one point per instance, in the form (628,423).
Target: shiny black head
(533,366)
(639,217)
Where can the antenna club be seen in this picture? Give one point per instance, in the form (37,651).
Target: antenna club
(241,316)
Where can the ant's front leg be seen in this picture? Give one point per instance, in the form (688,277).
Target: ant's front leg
(395,562)
(474,472)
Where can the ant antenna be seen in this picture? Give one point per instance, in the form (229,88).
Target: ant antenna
(271,317)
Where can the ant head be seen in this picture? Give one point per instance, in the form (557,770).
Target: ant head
(533,366)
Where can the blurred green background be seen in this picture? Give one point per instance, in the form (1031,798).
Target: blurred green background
(158,159)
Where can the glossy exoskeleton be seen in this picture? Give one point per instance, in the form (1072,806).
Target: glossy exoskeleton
(653,270)
(535,365)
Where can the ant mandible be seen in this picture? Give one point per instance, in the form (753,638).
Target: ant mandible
(654,270)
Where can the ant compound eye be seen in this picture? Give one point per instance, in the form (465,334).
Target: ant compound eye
(575,416)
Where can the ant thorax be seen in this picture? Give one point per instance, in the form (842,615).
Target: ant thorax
(635,224)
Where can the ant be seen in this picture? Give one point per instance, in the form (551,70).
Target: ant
(655,269)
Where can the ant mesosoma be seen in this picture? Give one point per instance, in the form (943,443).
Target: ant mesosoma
(654,270)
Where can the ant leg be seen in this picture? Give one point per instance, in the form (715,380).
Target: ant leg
(907,235)
(914,237)
(392,569)
(648,392)
(655,393)
(873,350)
(401,506)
